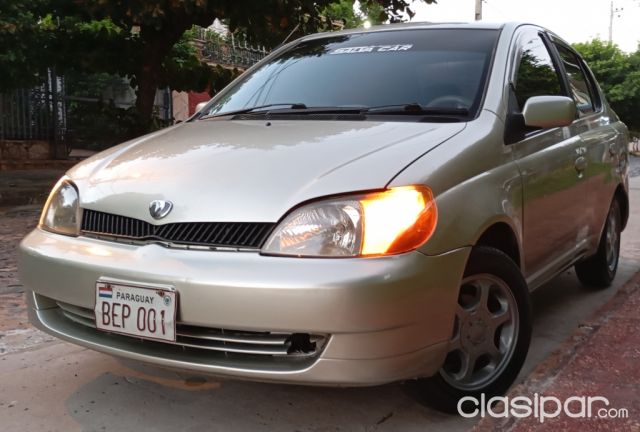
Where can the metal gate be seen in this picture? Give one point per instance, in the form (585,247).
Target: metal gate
(38,113)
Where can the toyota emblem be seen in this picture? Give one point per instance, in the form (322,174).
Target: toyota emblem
(160,208)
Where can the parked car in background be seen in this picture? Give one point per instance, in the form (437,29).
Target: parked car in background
(360,207)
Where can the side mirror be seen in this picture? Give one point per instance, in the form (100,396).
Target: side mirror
(549,111)
(201,105)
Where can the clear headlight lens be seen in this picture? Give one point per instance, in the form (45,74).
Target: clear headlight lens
(393,221)
(61,213)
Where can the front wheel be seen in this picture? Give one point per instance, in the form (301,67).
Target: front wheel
(491,334)
(599,270)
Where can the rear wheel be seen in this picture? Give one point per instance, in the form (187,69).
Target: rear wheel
(599,270)
(491,334)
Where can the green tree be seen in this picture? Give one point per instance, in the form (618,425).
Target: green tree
(145,39)
(343,12)
(375,12)
(21,41)
(162,23)
(619,75)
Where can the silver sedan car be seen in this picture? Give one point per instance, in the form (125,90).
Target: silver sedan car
(358,208)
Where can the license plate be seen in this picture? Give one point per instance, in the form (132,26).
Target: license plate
(133,310)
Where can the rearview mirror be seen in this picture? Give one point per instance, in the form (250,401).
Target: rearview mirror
(201,105)
(549,111)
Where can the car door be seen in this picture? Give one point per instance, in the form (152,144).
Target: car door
(599,143)
(549,161)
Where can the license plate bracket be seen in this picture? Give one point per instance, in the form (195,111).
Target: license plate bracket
(138,310)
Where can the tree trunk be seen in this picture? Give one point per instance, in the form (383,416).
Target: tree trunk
(157,46)
(145,96)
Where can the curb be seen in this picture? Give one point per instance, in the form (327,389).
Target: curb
(546,373)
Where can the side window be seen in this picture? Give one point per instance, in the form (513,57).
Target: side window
(593,86)
(578,84)
(536,75)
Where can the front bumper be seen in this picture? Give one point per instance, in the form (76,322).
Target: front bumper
(385,319)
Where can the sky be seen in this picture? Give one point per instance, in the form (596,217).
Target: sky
(573,20)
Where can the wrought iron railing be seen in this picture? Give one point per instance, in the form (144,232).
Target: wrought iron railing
(34,114)
(227,51)
(47,113)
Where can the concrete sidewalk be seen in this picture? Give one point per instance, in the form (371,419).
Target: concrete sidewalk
(602,358)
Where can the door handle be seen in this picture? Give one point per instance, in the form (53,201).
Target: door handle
(580,164)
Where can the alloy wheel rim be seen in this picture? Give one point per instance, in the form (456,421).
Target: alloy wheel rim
(485,333)
(611,241)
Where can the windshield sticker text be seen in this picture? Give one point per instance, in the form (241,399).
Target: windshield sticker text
(371,48)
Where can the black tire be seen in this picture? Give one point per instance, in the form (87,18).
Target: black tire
(437,391)
(599,270)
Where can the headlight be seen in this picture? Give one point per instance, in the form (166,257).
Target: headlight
(61,213)
(393,221)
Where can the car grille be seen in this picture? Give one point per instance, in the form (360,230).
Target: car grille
(209,234)
(276,344)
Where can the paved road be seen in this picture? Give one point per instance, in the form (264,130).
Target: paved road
(50,385)
(634,166)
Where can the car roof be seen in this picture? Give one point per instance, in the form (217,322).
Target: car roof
(483,25)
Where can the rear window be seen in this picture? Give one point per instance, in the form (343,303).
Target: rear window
(438,68)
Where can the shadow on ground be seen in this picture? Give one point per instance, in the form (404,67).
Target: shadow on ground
(152,399)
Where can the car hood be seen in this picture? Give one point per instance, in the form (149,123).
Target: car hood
(250,171)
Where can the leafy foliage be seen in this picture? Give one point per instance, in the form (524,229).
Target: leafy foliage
(148,40)
(343,12)
(21,42)
(619,75)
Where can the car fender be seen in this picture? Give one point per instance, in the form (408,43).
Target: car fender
(475,182)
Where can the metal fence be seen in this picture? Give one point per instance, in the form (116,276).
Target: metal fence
(227,51)
(76,112)
(34,114)
(54,112)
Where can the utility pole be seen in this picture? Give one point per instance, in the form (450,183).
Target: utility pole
(611,22)
(478,10)
(612,14)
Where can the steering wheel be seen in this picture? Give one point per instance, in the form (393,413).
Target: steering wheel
(450,101)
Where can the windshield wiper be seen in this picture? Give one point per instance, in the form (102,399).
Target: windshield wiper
(300,108)
(318,110)
(286,106)
(416,109)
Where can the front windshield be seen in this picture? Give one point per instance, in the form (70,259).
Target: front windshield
(435,68)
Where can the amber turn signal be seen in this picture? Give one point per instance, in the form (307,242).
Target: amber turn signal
(398,220)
